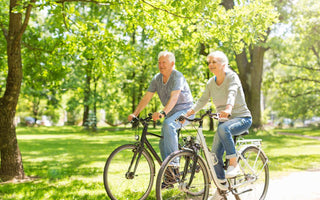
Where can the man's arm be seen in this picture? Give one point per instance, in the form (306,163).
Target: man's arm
(142,104)
(171,103)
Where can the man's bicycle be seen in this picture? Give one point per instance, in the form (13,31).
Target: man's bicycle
(195,175)
(130,169)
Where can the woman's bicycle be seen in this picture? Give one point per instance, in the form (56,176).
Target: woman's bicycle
(195,175)
(130,169)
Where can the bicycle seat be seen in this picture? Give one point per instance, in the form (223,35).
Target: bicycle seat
(246,132)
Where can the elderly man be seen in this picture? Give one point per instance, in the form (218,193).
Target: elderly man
(175,95)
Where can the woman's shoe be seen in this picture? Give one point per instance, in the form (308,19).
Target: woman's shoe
(216,196)
(232,171)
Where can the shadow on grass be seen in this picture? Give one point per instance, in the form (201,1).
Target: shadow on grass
(54,189)
(69,163)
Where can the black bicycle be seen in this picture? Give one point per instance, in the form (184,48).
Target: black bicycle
(130,169)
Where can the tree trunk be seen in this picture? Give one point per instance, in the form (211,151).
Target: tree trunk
(11,160)
(250,74)
(256,81)
(94,125)
(211,124)
(87,92)
(133,103)
(35,110)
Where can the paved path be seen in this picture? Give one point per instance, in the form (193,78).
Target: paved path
(296,186)
(303,185)
(305,136)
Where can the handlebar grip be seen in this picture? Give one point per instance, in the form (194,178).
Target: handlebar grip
(135,119)
(181,118)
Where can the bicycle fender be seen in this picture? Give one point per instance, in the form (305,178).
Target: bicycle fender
(253,146)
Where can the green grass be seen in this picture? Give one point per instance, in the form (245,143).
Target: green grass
(69,162)
(301,131)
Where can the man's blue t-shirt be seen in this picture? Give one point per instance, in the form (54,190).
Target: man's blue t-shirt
(176,82)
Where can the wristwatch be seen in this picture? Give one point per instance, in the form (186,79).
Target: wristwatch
(162,112)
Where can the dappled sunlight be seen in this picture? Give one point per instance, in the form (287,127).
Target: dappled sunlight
(93,165)
(41,137)
(70,166)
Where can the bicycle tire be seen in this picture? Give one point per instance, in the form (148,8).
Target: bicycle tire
(199,188)
(120,186)
(257,190)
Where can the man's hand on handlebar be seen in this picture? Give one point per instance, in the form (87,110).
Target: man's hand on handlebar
(131,117)
(157,115)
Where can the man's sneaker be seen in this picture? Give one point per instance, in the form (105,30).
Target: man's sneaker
(232,171)
(216,196)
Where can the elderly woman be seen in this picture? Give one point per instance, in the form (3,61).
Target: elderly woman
(226,92)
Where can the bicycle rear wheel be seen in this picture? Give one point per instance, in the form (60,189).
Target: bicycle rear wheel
(119,179)
(183,184)
(256,182)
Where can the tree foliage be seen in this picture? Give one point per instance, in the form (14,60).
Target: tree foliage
(295,70)
(90,55)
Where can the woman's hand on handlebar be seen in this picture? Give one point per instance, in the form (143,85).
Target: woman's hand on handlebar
(225,114)
(181,119)
(189,113)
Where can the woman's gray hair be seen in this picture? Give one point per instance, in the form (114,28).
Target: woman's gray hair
(167,53)
(222,57)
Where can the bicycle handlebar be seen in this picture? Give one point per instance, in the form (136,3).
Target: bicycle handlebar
(207,113)
(181,118)
(147,119)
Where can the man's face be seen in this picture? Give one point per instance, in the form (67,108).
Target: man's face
(165,66)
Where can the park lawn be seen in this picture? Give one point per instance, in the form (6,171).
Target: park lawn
(68,163)
(288,153)
(301,131)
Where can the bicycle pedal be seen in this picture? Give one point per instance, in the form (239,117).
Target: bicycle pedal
(166,186)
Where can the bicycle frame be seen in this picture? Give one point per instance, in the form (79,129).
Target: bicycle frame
(144,144)
(211,162)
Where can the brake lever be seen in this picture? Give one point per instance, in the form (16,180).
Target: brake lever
(181,118)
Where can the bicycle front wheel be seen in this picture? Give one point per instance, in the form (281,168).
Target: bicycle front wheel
(189,180)
(126,178)
(255,176)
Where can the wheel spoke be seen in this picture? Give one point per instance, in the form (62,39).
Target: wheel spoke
(254,181)
(121,183)
(186,184)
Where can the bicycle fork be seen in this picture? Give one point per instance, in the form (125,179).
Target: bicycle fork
(134,161)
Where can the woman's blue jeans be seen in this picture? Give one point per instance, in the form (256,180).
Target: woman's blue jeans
(169,141)
(223,140)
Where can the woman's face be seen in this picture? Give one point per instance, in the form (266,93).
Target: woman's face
(215,65)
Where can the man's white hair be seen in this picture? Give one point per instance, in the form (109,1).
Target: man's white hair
(169,54)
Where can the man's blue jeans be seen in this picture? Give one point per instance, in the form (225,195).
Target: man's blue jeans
(223,140)
(169,142)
